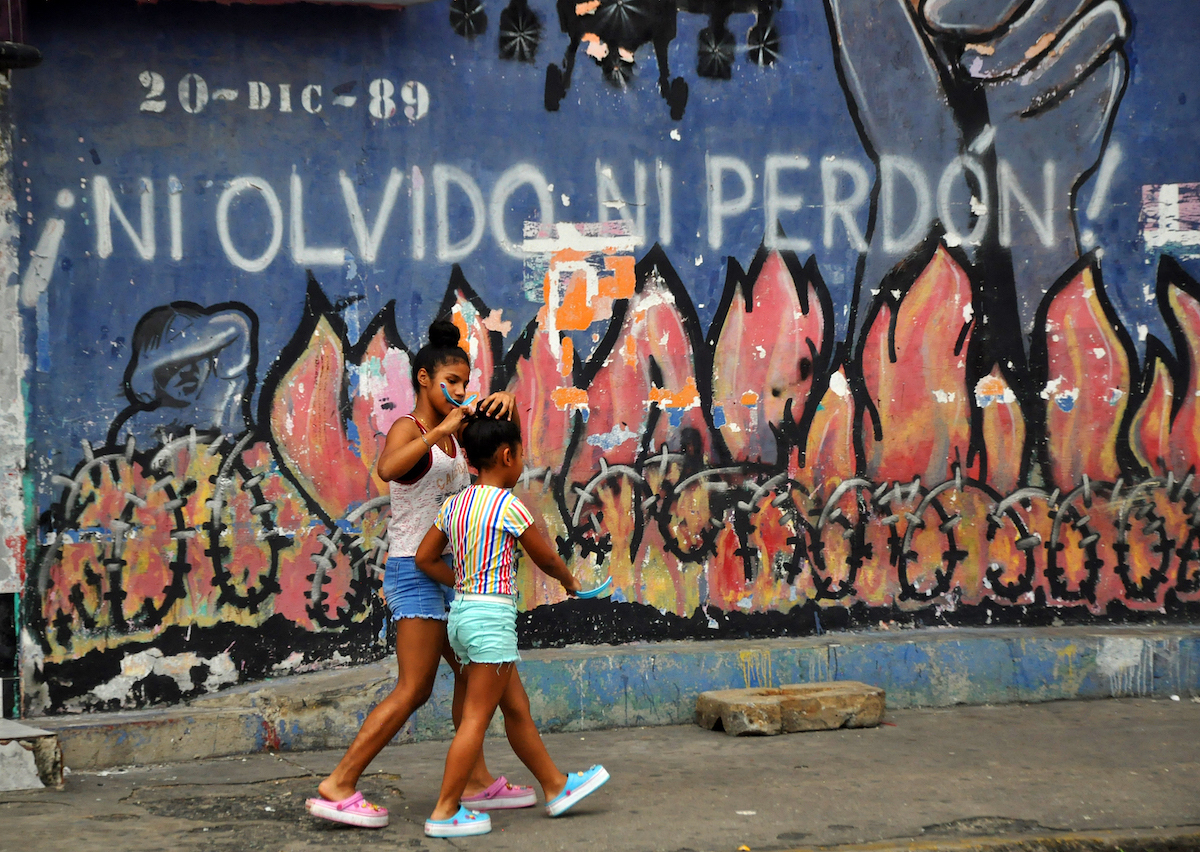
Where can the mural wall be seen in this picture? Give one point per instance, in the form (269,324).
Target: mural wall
(818,315)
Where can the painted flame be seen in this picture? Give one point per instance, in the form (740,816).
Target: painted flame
(1003,431)
(764,358)
(478,344)
(545,406)
(1185,428)
(1088,380)
(645,381)
(915,372)
(1150,430)
(829,453)
(380,393)
(309,429)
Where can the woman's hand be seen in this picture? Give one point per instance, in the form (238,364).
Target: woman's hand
(451,424)
(499,405)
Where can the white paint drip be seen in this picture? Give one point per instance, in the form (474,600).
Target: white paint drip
(1127,662)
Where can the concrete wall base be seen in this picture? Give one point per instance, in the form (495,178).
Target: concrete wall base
(591,687)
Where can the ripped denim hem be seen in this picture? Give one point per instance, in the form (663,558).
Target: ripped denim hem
(443,617)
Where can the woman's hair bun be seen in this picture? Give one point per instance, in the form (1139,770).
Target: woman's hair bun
(444,334)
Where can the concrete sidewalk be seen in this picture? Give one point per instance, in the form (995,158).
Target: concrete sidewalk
(1063,775)
(585,688)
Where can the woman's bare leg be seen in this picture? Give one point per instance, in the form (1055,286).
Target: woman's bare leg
(419,643)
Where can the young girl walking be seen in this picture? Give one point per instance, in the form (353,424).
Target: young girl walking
(423,465)
(482,525)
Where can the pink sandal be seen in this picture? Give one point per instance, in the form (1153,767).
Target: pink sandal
(501,795)
(355,811)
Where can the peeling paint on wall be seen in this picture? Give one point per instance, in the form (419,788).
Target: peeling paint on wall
(13,509)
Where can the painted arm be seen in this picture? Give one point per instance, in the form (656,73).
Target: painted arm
(429,557)
(1033,87)
(546,558)
(231,330)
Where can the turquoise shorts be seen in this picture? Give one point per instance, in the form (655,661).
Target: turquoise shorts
(483,629)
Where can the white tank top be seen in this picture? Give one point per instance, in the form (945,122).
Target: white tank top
(415,504)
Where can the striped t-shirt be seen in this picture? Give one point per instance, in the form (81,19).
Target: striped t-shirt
(483,524)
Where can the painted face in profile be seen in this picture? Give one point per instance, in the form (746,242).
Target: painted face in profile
(181,383)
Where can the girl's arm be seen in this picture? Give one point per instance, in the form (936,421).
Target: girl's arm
(429,557)
(547,558)
(404,447)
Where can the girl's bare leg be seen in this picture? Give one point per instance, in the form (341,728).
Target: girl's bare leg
(419,643)
(486,682)
(525,740)
(480,778)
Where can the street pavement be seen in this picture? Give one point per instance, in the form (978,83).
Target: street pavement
(949,778)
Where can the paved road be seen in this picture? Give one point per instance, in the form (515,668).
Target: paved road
(1065,766)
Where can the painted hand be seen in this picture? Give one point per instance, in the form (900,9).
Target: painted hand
(1022,92)
(1052,77)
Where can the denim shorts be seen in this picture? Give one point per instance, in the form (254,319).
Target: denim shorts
(411,593)
(483,631)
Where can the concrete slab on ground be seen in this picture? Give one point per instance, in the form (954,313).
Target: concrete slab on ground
(791,708)
(585,688)
(30,758)
(1046,776)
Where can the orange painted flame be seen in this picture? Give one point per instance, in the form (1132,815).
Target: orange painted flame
(1088,381)
(1003,431)
(1184,446)
(770,342)
(914,364)
(545,399)
(829,451)
(1150,429)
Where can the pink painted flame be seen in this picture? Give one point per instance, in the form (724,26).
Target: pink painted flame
(310,429)
(770,342)
(914,364)
(330,409)
(1088,380)
(1184,447)
(625,392)
(1165,430)
(380,393)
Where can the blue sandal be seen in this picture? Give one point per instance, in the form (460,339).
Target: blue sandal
(579,785)
(463,824)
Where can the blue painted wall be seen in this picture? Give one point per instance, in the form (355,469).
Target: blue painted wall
(154,108)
